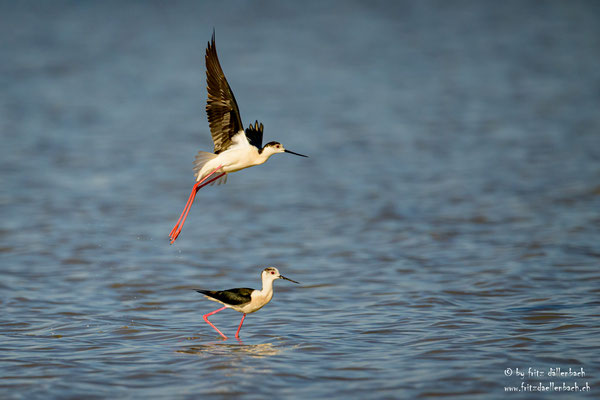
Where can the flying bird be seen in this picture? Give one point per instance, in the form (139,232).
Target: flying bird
(235,148)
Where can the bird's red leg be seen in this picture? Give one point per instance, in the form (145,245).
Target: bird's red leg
(197,186)
(208,322)
(187,205)
(237,334)
(195,189)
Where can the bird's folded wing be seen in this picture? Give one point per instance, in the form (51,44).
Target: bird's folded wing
(232,296)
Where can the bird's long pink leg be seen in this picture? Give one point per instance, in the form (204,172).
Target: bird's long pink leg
(237,334)
(195,189)
(177,228)
(197,186)
(210,323)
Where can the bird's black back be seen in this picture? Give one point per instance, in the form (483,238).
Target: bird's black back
(235,297)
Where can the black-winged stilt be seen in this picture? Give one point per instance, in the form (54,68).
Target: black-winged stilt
(244,300)
(234,147)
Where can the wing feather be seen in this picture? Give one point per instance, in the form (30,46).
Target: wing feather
(222,109)
(255,134)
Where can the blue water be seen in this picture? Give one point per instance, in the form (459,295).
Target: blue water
(445,229)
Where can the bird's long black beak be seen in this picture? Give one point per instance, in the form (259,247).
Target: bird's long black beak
(296,154)
(288,279)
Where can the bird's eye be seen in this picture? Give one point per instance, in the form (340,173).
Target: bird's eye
(272,272)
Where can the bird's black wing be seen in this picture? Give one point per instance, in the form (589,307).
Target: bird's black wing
(234,297)
(255,134)
(222,109)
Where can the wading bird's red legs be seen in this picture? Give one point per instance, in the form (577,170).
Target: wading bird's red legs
(197,186)
(214,327)
(237,334)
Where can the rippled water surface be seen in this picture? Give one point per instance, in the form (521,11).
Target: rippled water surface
(445,228)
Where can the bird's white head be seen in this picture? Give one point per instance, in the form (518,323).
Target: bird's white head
(275,147)
(272,273)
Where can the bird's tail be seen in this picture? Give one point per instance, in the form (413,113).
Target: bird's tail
(210,294)
(201,159)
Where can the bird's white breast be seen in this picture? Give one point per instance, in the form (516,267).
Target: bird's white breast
(259,300)
(241,154)
(238,157)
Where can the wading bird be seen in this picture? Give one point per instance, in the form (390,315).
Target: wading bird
(234,147)
(244,300)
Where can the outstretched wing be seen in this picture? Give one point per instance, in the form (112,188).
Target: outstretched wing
(232,297)
(222,109)
(255,134)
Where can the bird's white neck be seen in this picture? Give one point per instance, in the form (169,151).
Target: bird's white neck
(263,156)
(267,288)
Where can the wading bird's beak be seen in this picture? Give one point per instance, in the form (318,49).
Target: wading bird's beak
(296,154)
(288,279)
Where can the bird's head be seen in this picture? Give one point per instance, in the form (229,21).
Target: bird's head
(276,147)
(271,273)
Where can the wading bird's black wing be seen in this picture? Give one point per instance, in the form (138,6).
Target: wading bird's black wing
(222,109)
(234,297)
(255,134)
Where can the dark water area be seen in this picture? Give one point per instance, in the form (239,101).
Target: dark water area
(445,229)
